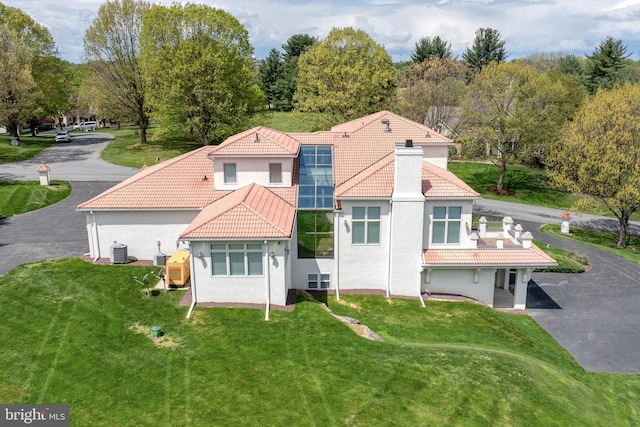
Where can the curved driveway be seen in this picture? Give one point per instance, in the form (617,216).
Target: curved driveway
(57,230)
(594,315)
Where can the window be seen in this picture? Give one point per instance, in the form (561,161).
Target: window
(446,224)
(236,259)
(318,281)
(315,234)
(275,173)
(365,224)
(315,177)
(230,173)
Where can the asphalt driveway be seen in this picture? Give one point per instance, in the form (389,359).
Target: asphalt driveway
(595,315)
(57,230)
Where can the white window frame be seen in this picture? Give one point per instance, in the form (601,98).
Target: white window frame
(248,249)
(278,170)
(228,178)
(319,279)
(366,221)
(447,221)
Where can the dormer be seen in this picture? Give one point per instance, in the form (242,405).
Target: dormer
(260,155)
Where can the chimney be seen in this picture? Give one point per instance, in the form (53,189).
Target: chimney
(408,171)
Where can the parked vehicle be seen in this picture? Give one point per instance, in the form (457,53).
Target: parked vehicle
(63,136)
(85,126)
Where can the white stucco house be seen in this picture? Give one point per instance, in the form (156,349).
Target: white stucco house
(368,205)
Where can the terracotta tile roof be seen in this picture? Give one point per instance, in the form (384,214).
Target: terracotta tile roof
(43,168)
(441,183)
(515,257)
(250,212)
(374,181)
(399,128)
(178,183)
(258,142)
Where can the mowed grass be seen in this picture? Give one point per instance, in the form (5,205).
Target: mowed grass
(78,333)
(530,185)
(599,239)
(18,197)
(27,148)
(126,149)
(568,262)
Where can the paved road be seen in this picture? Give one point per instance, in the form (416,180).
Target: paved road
(78,160)
(595,316)
(57,230)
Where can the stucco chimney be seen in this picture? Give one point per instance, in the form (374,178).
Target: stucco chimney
(408,171)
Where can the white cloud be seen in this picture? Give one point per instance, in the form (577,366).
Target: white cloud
(528,26)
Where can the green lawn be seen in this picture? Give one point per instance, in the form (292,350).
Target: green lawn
(27,148)
(599,239)
(18,197)
(531,185)
(568,262)
(78,333)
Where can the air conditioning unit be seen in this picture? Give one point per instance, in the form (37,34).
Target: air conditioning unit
(118,253)
(159,259)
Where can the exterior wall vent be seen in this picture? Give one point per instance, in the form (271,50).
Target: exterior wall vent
(408,143)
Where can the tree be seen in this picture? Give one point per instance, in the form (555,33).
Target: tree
(606,64)
(347,75)
(431,92)
(487,47)
(599,154)
(511,108)
(270,73)
(200,68)
(16,90)
(296,45)
(112,58)
(39,51)
(427,48)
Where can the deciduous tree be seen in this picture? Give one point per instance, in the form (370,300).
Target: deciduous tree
(112,58)
(427,48)
(200,67)
(599,154)
(431,92)
(39,50)
(347,75)
(511,108)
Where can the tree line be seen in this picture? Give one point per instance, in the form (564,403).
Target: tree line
(190,69)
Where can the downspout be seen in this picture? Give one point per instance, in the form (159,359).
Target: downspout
(420,289)
(390,250)
(194,298)
(336,254)
(94,236)
(267,279)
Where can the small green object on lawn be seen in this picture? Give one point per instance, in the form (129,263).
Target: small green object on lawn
(155,332)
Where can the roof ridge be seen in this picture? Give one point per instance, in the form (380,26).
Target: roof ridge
(259,213)
(144,173)
(369,170)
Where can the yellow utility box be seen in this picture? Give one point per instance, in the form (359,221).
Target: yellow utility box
(178,270)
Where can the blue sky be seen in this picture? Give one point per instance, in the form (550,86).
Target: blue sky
(527,26)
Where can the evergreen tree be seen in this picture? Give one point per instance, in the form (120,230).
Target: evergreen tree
(270,73)
(606,64)
(427,49)
(488,47)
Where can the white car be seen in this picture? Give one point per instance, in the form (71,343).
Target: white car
(63,136)
(85,126)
